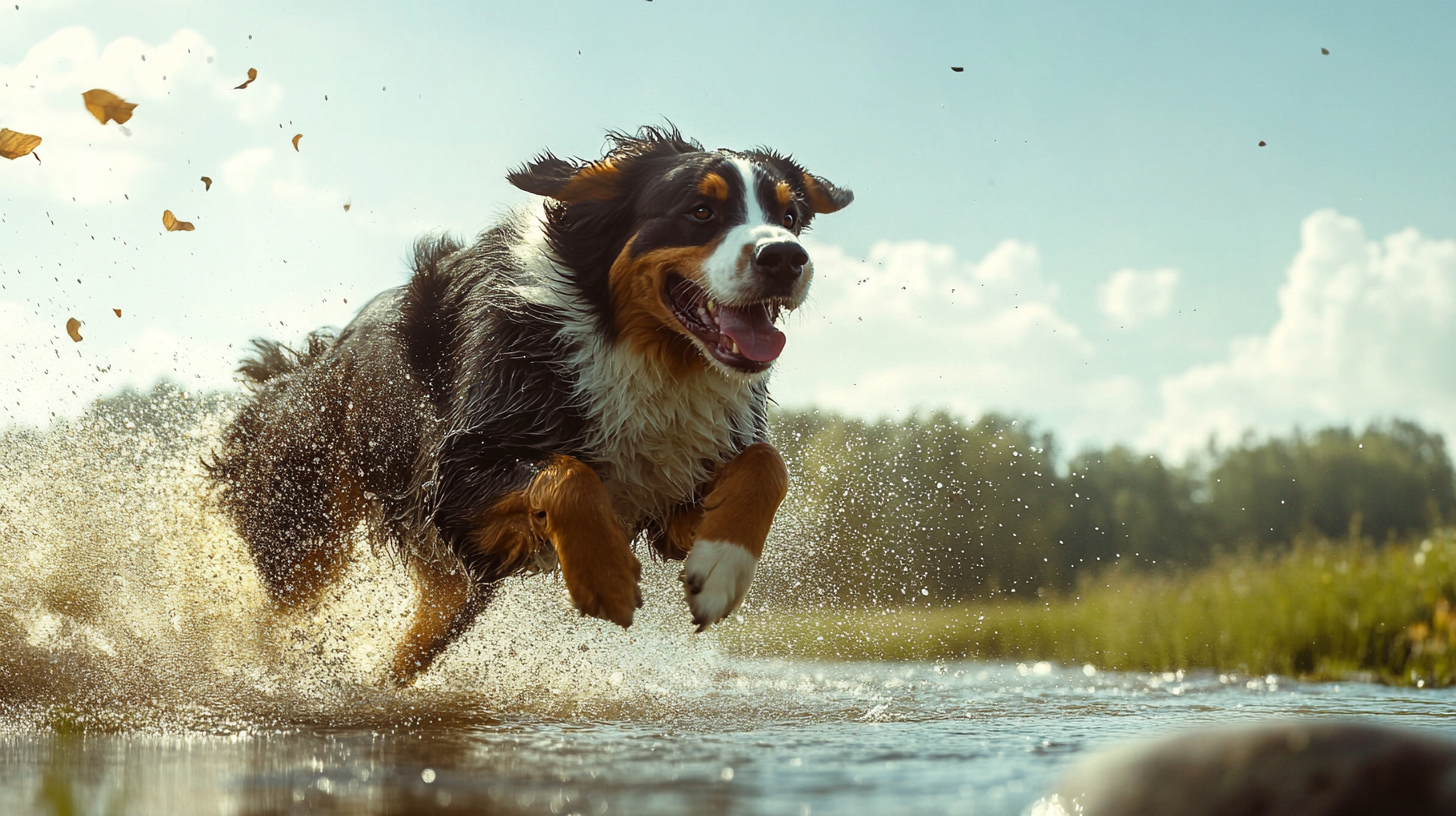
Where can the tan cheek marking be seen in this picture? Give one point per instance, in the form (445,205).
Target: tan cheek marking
(784,194)
(713,186)
(745,495)
(642,319)
(595,182)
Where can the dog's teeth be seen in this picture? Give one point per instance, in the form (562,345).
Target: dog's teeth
(733,346)
(710,305)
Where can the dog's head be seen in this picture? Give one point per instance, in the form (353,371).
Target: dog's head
(689,255)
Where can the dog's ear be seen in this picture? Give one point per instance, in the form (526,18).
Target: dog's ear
(824,197)
(560,179)
(821,195)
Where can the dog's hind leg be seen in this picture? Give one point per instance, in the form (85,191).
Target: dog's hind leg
(453,591)
(448,605)
(736,515)
(298,559)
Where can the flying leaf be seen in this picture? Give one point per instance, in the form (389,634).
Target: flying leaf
(1263,144)
(1325,51)
(107,106)
(252,75)
(173,225)
(118,312)
(206,184)
(73,328)
(295,142)
(347,205)
(14,144)
(958,68)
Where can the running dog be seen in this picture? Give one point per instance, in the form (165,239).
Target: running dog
(591,371)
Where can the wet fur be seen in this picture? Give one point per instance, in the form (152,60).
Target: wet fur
(511,405)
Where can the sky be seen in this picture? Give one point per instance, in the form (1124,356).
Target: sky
(1080,229)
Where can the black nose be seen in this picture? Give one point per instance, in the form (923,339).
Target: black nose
(783,259)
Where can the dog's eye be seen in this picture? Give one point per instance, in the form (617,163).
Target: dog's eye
(790,221)
(702,212)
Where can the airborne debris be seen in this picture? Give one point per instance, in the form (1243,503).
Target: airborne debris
(107,106)
(958,68)
(73,328)
(1263,144)
(173,225)
(118,312)
(206,184)
(252,75)
(296,137)
(1325,51)
(14,144)
(347,205)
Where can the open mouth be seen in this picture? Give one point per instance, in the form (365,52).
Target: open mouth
(742,338)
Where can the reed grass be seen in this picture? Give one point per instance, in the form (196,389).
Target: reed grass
(1316,610)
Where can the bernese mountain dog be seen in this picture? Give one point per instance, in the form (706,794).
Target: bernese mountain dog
(593,370)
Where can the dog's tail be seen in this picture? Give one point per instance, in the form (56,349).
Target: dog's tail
(270,359)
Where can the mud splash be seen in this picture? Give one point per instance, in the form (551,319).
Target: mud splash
(127,603)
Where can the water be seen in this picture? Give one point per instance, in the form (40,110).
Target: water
(141,671)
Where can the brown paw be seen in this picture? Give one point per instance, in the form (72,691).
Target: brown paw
(609,590)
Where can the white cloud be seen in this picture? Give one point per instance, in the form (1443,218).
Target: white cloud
(914,326)
(176,85)
(1366,330)
(1131,297)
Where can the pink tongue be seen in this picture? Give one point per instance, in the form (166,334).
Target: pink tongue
(753,331)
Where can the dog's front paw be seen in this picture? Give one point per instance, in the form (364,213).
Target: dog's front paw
(716,576)
(607,588)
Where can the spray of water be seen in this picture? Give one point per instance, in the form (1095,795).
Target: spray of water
(127,602)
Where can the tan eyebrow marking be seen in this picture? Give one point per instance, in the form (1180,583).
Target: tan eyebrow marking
(714,186)
(785,195)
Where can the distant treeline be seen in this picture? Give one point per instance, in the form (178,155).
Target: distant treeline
(937,509)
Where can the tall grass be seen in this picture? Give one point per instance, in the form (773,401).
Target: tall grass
(1317,610)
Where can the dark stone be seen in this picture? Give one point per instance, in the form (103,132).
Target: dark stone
(1298,768)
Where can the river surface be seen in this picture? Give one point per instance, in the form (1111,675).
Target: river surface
(142,671)
(755,737)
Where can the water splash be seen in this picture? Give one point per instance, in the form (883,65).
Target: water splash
(126,602)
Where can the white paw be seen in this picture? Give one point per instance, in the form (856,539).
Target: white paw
(716,576)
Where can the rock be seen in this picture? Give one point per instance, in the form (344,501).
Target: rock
(1295,768)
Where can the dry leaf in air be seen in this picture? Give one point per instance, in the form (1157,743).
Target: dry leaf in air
(295,142)
(252,75)
(206,184)
(108,107)
(173,225)
(118,312)
(347,205)
(14,144)
(73,328)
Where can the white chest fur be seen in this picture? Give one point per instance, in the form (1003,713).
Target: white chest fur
(657,438)
(654,438)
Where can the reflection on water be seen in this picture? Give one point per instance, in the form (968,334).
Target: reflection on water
(770,738)
(141,671)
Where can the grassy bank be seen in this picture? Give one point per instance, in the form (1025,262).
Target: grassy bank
(1319,610)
